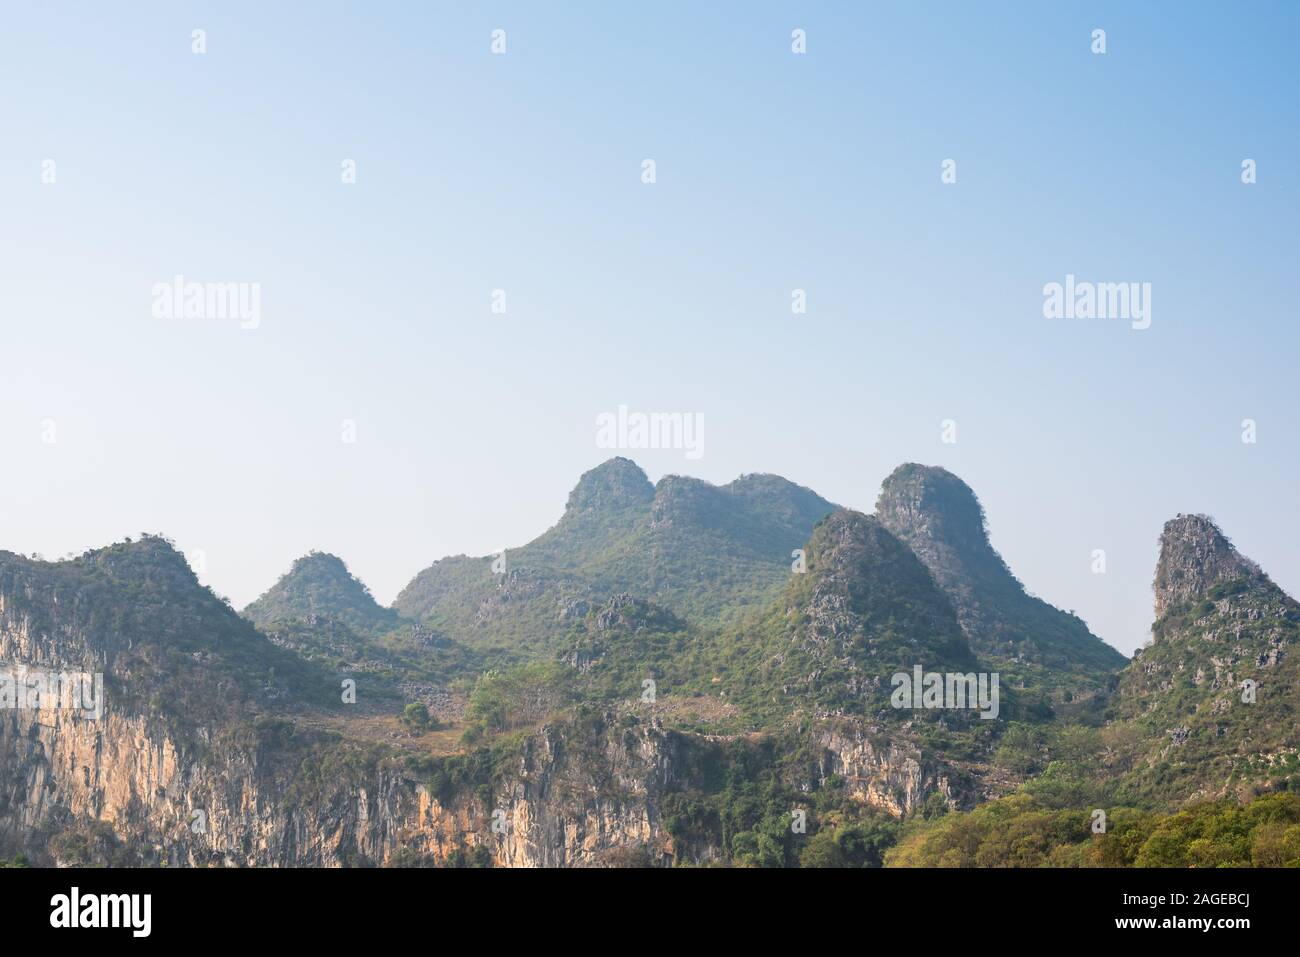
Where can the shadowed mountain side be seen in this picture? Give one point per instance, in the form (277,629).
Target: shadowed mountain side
(939,517)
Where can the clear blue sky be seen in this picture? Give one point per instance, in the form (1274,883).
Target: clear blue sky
(522,172)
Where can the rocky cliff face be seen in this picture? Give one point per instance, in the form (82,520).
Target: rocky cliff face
(1194,557)
(237,802)
(247,771)
(890,773)
(232,803)
(1208,706)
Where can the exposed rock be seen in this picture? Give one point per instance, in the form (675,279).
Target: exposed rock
(1194,557)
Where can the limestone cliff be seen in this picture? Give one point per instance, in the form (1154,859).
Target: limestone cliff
(216,747)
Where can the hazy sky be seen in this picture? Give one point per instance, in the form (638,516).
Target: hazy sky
(523,172)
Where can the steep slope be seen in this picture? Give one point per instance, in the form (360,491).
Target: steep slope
(705,552)
(136,612)
(864,610)
(1212,705)
(812,675)
(1047,649)
(320,586)
(627,641)
(215,747)
(823,659)
(182,677)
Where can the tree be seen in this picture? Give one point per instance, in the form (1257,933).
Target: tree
(416,718)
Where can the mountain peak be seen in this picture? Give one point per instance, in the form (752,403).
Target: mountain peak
(1194,557)
(319,584)
(322,563)
(134,609)
(857,560)
(931,500)
(1222,629)
(614,484)
(862,609)
(939,517)
(845,539)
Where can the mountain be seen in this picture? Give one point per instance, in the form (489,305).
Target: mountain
(864,609)
(1212,705)
(319,586)
(216,746)
(324,615)
(186,690)
(626,641)
(136,612)
(623,729)
(941,520)
(707,553)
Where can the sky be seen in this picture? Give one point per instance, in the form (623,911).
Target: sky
(380,409)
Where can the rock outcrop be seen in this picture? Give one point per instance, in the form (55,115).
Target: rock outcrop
(1194,557)
(1208,706)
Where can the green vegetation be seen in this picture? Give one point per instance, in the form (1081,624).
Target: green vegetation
(710,554)
(1182,717)
(319,586)
(416,718)
(1019,831)
(517,699)
(178,651)
(1047,653)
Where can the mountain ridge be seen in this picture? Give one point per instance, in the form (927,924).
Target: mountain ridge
(939,516)
(703,551)
(626,723)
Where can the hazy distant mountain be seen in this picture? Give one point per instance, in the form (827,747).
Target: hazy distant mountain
(939,517)
(707,553)
(320,586)
(1224,634)
(325,615)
